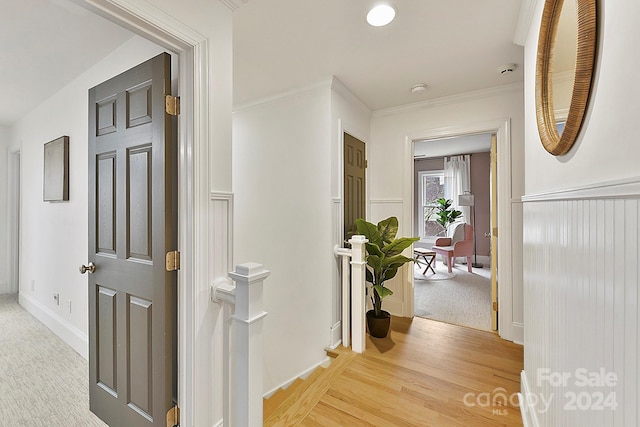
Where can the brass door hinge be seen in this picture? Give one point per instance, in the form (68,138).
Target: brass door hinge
(172,105)
(366,164)
(495,232)
(173,261)
(173,417)
(495,306)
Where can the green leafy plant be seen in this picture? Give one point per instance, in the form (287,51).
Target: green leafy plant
(384,256)
(445,214)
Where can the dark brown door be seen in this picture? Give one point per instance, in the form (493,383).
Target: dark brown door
(132,223)
(354,183)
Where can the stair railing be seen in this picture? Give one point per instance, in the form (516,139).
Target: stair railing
(242,311)
(353,293)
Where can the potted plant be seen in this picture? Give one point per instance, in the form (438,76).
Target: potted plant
(384,258)
(445,214)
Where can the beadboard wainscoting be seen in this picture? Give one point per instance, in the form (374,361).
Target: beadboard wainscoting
(221,232)
(581,275)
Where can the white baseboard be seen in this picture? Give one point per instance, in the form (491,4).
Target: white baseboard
(302,375)
(336,335)
(517,329)
(75,338)
(527,411)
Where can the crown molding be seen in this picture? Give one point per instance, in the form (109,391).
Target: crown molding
(233,5)
(326,83)
(340,88)
(467,96)
(527,8)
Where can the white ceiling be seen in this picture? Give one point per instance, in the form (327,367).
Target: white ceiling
(45,45)
(453,46)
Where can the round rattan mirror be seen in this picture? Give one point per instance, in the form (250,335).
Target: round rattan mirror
(555,142)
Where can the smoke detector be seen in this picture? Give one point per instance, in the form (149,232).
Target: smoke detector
(507,68)
(419,88)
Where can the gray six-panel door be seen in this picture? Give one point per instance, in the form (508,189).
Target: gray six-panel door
(354,183)
(132,224)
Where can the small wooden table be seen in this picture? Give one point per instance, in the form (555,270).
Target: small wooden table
(428,256)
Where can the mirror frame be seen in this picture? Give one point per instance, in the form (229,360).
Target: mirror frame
(553,142)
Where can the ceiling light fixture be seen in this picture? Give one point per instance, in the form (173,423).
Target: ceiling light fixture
(419,88)
(507,68)
(381,15)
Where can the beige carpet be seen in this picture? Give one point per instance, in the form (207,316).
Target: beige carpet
(461,298)
(43,381)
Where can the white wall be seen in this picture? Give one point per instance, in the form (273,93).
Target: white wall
(54,235)
(4,206)
(390,179)
(287,178)
(281,181)
(581,238)
(606,148)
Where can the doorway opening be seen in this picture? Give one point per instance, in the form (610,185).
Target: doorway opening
(458,170)
(193,53)
(191,49)
(507,214)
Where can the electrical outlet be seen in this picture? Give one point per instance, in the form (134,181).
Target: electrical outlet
(56,297)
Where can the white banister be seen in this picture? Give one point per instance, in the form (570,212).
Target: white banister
(345,255)
(343,252)
(353,293)
(243,379)
(358,277)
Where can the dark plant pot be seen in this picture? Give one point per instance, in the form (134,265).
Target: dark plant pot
(378,326)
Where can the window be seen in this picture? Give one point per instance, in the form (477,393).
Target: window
(431,188)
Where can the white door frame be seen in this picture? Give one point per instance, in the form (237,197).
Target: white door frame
(14,220)
(502,128)
(193,129)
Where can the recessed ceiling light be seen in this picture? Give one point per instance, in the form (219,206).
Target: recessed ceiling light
(381,15)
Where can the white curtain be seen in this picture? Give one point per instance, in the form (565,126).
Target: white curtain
(457,180)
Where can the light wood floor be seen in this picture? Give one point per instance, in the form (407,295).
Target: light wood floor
(426,373)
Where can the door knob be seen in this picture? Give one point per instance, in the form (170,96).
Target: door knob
(90,268)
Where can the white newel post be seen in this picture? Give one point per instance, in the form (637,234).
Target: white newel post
(358,277)
(248,365)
